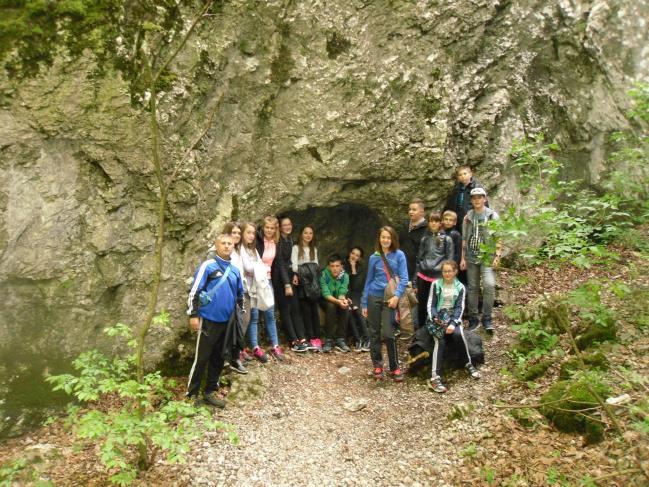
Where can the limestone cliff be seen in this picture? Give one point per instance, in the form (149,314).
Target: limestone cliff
(358,103)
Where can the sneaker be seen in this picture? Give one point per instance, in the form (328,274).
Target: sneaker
(328,346)
(358,346)
(260,355)
(472,371)
(195,401)
(341,345)
(315,344)
(214,400)
(488,327)
(310,345)
(366,346)
(378,373)
(437,385)
(299,346)
(420,356)
(397,375)
(238,367)
(244,356)
(276,352)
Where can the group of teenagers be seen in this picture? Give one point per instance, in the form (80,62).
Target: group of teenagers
(251,271)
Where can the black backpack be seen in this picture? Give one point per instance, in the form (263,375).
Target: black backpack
(309,275)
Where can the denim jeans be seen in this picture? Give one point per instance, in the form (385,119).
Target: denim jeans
(271,327)
(475,273)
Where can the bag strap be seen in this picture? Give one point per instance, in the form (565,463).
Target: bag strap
(222,281)
(386,265)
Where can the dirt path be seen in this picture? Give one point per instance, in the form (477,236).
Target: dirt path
(300,433)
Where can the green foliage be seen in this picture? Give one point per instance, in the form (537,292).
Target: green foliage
(128,36)
(148,420)
(571,407)
(571,220)
(9,471)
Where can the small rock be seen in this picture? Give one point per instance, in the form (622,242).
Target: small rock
(355,404)
(344,370)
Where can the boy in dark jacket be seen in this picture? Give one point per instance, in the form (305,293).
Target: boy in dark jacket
(449,220)
(411,234)
(459,200)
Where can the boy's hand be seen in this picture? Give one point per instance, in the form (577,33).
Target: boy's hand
(195,323)
(364,312)
(450,329)
(463,264)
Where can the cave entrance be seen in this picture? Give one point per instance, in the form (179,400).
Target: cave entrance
(338,228)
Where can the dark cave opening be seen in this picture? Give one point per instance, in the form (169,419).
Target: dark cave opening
(338,228)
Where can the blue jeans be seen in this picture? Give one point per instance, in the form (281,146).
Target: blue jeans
(474,274)
(271,327)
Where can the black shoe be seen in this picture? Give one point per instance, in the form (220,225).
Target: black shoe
(366,346)
(238,367)
(328,346)
(195,401)
(341,345)
(488,327)
(473,324)
(358,346)
(472,371)
(214,400)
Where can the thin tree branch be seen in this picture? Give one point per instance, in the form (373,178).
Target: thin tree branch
(182,42)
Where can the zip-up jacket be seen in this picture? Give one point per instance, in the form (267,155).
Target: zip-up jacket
(332,286)
(409,240)
(227,295)
(456,237)
(377,280)
(435,300)
(453,202)
(431,255)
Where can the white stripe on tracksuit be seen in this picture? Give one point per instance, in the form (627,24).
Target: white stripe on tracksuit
(198,342)
(197,280)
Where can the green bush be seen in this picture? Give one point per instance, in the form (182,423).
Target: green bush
(148,421)
(593,360)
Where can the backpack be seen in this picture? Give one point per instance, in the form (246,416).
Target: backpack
(309,275)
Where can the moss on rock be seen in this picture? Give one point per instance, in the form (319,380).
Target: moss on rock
(534,371)
(596,332)
(565,403)
(592,360)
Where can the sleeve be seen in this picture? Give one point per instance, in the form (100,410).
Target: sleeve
(449,251)
(200,280)
(316,256)
(403,274)
(344,289)
(465,227)
(459,306)
(294,261)
(432,302)
(284,263)
(324,285)
(368,279)
(420,257)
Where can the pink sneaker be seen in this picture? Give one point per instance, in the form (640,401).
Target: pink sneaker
(260,355)
(276,352)
(316,344)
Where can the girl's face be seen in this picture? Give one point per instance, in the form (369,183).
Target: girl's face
(286,226)
(249,235)
(355,255)
(434,225)
(269,230)
(385,239)
(448,273)
(236,235)
(307,235)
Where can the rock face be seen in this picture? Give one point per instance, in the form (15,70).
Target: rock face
(318,105)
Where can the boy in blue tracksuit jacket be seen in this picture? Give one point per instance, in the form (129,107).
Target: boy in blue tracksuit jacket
(445,307)
(216,290)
